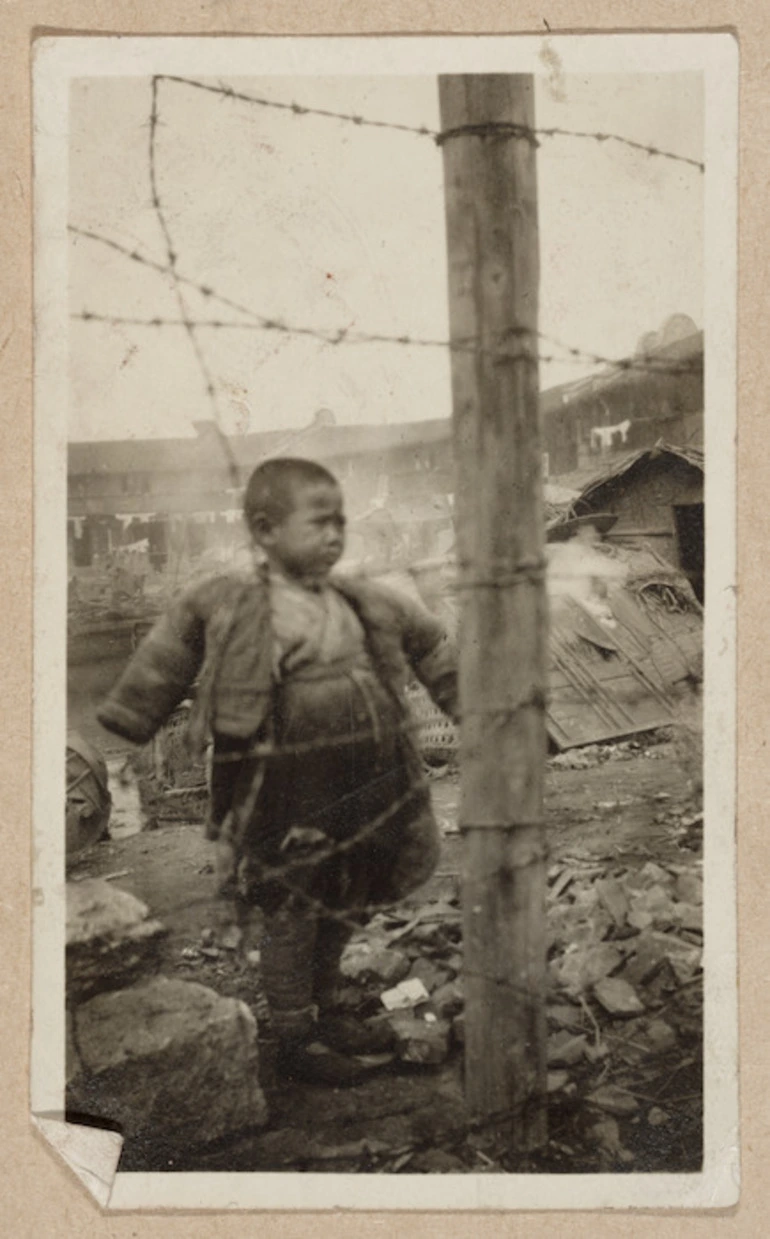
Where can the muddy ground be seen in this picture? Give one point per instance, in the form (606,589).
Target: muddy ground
(624,1087)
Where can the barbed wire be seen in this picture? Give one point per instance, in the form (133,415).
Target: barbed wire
(171,269)
(424,131)
(337,336)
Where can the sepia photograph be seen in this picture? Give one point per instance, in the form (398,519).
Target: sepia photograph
(384,574)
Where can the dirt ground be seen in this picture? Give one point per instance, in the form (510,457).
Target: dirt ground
(630,1102)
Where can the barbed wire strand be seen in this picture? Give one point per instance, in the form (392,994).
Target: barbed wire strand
(424,131)
(171,269)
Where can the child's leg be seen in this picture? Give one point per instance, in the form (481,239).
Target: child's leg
(331,939)
(287,971)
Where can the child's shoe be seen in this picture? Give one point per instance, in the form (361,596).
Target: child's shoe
(315,1063)
(350,1036)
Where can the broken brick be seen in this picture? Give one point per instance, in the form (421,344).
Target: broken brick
(418,1040)
(618,997)
(565,1049)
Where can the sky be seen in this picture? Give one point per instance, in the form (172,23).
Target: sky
(330,225)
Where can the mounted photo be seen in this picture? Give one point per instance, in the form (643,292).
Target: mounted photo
(384,620)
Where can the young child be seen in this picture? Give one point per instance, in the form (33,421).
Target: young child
(300,677)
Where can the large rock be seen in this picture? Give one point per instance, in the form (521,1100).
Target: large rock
(172,1062)
(111,940)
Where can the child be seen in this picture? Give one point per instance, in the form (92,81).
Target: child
(301,678)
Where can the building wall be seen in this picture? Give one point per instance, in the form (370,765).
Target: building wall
(644,500)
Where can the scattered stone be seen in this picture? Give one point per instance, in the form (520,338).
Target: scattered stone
(172,1062)
(190,953)
(689,888)
(614,899)
(207,937)
(455,963)
(386,966)
(607,1134)
(684,958)
(654,903)
(418,1041)
(210,952)
(448,998)
(556,1081)
(437,1161)
(690,917)
(429,973)
(565,1049)
(254,958)
(647,959)
(111,940)
(405,995)
(618,997)
(661,1036)
(232,938)
(579,970)
(657,1117)
(613,1099)
(563,1015)
(653,875)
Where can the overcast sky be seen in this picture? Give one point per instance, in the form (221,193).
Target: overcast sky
(329,225)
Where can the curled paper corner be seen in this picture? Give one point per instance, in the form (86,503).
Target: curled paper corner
(91,1152)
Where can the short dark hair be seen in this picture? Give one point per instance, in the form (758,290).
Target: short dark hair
(271,489)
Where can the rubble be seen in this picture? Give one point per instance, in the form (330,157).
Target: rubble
(613,1099)
(419,1040)
(405,995)
(618,997)
(111,939)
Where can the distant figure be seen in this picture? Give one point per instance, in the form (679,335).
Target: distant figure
(302,690)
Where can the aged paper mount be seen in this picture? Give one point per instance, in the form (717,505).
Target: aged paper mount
(60,62)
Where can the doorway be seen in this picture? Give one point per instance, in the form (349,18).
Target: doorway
(689,520)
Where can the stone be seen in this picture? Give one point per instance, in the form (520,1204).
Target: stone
(579,970)
(655,903)
(437,1161)
(420,1041)
(565,1048)
(618,997)
(690,916)
(684,958)
(556,1080)
(689,888)
(564,1015)
(431,975)
(111,939)
(657,1117)
(361,963)
(172,1062)
(448,998)
(613,898)
(254,958)
(647,959)
(232,938)
(613,1099)
(661,1036)
(405,995)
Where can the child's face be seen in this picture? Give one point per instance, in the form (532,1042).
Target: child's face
(309,541)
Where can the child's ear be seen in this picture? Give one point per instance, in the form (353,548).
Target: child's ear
(260,529)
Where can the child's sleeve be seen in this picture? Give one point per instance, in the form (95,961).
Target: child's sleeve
(431,654)
(159,674)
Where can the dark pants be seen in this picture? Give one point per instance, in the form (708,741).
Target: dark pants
(340,788)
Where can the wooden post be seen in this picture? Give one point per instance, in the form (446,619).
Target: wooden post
(491,215)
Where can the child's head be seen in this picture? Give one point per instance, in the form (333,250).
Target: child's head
(293,509)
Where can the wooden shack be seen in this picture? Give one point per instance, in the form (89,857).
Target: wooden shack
(656,494)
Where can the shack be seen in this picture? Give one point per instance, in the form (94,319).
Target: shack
(656,494)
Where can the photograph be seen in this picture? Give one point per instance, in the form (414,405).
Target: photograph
(383,725)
